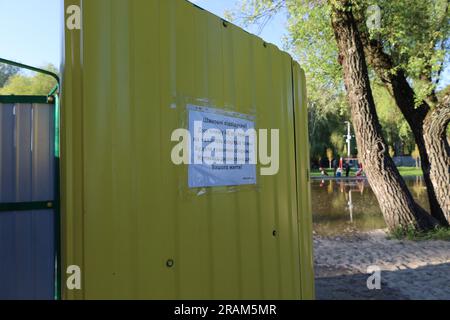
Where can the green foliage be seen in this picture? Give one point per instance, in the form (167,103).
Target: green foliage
(391,151)
(414,32)
(444,92)
(330,154)
(416,35)
(410,233)
(38,84)
(410,171)
(6,72)
(395,128)
(312,42)
(337,142)
(416,155)
(326,130)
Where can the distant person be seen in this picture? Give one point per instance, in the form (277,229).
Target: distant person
(359,173)
(323,171)
(334,163)
(339,169)
(347,169)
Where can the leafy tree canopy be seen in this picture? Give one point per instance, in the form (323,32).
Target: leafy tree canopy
(415,33)
(6,71)
(37,84)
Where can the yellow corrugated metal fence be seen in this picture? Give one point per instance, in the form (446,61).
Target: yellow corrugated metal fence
(129,220)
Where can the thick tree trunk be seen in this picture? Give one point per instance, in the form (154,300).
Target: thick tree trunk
(435,133)
(396,202)
(403,95)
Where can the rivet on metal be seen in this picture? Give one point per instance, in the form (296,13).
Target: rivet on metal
(170,263)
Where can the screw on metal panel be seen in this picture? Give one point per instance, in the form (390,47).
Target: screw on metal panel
(50,99)
(274,233)
(170,263)
(49,205)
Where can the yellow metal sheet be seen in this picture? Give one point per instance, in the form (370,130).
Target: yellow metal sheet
(128,75)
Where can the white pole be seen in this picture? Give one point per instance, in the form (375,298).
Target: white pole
(350,205)
(348,138)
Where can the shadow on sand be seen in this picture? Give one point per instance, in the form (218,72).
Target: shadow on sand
(421,283)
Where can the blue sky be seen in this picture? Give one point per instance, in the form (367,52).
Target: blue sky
(31,30)
(273,31)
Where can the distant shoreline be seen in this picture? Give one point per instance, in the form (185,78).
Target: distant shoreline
(320,177)
(404,171)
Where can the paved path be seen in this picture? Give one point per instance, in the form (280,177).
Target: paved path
(409,269)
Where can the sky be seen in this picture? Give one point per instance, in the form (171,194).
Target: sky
(31,30)
(273,31)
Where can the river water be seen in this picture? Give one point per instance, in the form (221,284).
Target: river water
(340,206)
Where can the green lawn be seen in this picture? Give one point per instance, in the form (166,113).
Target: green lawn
(404,171)
(410,171)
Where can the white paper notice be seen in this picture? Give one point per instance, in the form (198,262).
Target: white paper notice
(221,148)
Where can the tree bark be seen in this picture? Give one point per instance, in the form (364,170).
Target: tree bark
(396,202)
(398,86)
(435,134)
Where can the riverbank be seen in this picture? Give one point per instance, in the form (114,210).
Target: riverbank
(409,269)
(404,171)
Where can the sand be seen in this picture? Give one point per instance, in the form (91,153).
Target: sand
(409,269)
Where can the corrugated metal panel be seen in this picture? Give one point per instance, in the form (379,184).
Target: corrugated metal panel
(303,181)
(26,175)
(126,207)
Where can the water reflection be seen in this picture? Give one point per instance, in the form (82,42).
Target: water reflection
(347,205)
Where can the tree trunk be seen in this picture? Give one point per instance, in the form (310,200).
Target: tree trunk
(398,86)
(435,133)
(396,202)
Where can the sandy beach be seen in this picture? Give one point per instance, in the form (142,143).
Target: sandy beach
(409,269)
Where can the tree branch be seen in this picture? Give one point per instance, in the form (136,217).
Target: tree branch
(394,80)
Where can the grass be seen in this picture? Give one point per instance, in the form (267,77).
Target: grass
(410,171)
(439,233)
(404,171)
